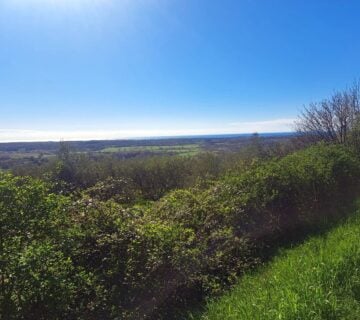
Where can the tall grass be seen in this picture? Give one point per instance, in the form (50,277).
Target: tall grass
(320,279)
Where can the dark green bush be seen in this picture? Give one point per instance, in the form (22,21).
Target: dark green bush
(120,190)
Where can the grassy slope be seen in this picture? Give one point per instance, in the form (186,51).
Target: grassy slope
(320,279)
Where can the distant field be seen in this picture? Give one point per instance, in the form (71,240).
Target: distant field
(185,149)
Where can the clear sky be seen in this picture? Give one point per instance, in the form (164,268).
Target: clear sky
(85,69)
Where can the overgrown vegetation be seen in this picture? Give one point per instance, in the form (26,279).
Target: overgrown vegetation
(90,257)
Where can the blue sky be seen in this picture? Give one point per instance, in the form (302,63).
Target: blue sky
(87,69)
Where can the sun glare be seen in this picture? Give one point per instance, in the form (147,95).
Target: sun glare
(57,3)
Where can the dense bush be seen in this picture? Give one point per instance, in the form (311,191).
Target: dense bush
(150,177)
(88,259)
(36,277)
(119,190)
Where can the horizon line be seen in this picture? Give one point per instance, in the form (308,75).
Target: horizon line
(155,137)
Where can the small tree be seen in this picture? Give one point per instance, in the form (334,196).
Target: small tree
(65,171)
(331,119)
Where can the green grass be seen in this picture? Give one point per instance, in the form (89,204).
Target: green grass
(186,149)
(319,279)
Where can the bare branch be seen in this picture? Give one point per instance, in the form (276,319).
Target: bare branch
(331,120)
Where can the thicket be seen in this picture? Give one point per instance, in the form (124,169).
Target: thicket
(141,179)
(150,177)
(82,258)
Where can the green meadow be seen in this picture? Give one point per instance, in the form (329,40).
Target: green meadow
(186,149)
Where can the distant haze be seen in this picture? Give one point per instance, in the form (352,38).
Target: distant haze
(12,135)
